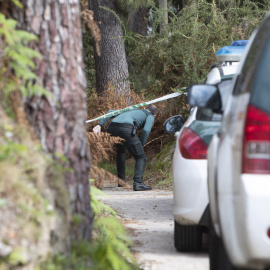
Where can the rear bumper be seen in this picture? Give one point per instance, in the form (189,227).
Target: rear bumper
(250,221)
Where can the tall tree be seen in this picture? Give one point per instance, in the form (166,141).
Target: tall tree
(59,121)
(138,21)
(163,5)
(138,14)
(111,64)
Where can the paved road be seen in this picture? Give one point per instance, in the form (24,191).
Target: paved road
(148,217)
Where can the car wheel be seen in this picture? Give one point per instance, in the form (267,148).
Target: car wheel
(215,256)
(218,257)
(187,238)
(214,247)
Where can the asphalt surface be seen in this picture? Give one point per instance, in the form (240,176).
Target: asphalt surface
(147,215)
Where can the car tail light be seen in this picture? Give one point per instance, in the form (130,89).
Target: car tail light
(268,233)
(191,145)
(256,142)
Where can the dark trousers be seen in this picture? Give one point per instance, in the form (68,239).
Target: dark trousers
(134,146)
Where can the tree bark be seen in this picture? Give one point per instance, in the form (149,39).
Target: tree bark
(59,122)
(111,65)
(138,21)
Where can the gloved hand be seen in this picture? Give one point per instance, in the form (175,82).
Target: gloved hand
(97,129)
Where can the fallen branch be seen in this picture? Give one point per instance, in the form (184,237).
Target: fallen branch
(155,139)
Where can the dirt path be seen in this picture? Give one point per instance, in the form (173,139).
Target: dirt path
(148,217)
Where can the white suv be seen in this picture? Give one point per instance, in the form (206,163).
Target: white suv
(239,163)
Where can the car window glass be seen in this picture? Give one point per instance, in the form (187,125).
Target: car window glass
(244,79)
(225,90)
(205,130)
(204,114)
(260,96)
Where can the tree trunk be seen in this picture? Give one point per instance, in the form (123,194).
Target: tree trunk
(163,5)
(111,65)
(59,123)
(138,21)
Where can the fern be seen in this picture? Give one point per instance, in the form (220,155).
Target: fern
(17,3)
(115,253)
(98,207)
(16,72)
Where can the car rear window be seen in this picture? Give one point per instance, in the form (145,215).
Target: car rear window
(260,94)
(205,130)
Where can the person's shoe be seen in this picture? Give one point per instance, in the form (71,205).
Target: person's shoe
(140,187)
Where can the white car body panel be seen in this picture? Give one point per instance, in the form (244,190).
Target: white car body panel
(239,203)
(190,188)
(211,178)
(214,77)
(189,203)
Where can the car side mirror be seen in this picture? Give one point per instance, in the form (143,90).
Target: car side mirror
(204,96)
(173,124)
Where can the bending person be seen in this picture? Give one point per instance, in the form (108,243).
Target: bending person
(125,125)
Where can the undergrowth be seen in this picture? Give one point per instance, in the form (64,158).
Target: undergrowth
(184,51)
(99,105)
(111,167)
(158,171)
(109,247)
(111,242)
(102,148)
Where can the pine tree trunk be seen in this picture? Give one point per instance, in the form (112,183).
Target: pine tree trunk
(111,65)
(59,122)
(138,21)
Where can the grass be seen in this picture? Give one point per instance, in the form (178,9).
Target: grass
(111,167)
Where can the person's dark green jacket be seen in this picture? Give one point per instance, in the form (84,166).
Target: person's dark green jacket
(144,121)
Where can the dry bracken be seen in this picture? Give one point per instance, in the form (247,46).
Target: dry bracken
(102,147)
(88,19)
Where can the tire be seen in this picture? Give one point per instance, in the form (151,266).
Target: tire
(214,247)
(218,257)
(224,259)
(187,238)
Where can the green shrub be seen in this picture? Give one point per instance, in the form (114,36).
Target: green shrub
(182,54)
